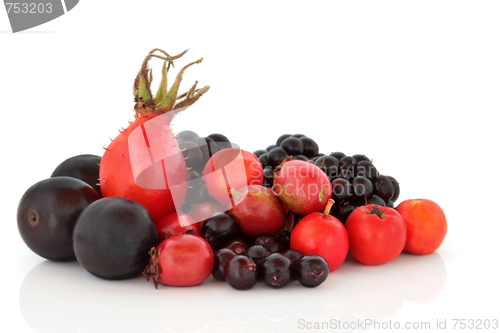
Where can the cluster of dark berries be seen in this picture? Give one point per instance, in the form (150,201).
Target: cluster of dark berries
(298,145)
(197,150)
(268,258)
(355,180)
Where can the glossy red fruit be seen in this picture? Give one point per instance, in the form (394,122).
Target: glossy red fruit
(181,261)
(377,234)
(425,223)
(321,234)
(302,187)
(231,168)
(202,211)
(258,211)
(144,162)
(176,224)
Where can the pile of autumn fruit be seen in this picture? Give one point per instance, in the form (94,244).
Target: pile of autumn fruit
(177,207)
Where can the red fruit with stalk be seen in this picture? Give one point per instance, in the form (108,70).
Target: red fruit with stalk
(144,162)
(323,235)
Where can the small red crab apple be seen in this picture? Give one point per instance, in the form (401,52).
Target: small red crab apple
(302,187)
(182,261)
(323,235)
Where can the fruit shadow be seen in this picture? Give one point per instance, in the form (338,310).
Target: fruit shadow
(63,297)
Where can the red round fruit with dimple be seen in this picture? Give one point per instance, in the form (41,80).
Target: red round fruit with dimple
(258,211)
(302,187)
(184,260)
(377,234)
(323,235)
(202,211)
(176,224)
(231,168)
(116,171)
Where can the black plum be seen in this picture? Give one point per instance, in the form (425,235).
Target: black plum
(83,167)
(47,214)
(239,246)
(113,236)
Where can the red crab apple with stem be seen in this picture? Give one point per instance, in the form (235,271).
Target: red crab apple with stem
(144,162)
(321,234)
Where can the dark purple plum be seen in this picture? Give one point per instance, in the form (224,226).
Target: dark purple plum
(264,160)
(271,147)
(83,167)
(113,236)
(293,255)
(47,214)
(376,200)
(362,188)
(342,190)
(366,169)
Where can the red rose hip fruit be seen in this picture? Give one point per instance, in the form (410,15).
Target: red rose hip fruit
(258,211)
(425,224)
(181,261)
(323,235)
(377,234)
(302,187)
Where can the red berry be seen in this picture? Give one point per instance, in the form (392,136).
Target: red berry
(258,211)
(302,187)
(182,261)
(231,168)
(323,235)
(176,224)
(377,234)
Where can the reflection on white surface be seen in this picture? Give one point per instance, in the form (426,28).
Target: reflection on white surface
(63,297)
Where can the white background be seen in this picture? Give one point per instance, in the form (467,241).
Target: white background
(412,84)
